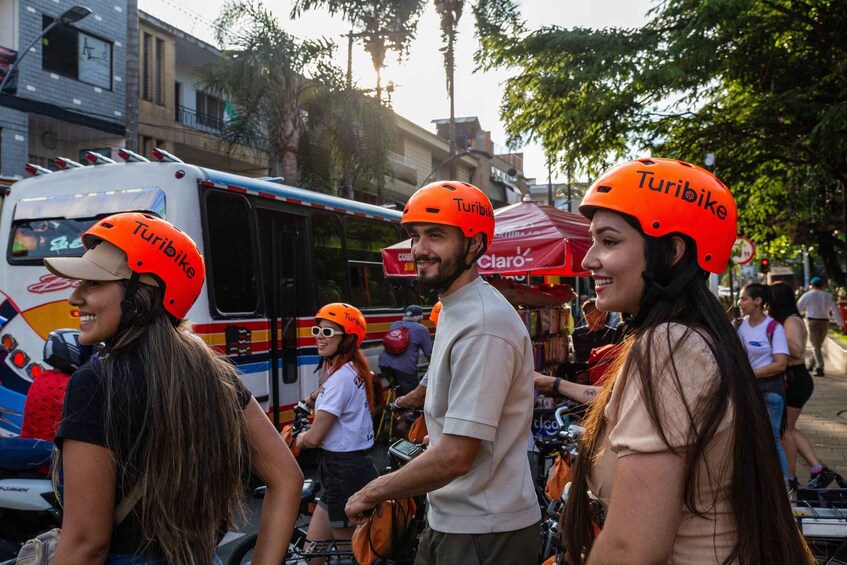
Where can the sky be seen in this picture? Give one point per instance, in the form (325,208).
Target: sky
(420,93)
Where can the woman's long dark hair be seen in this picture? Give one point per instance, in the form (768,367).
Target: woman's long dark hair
(767,532)
(782,302)
(175,422)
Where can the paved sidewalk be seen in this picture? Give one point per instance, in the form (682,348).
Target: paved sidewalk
(824,422)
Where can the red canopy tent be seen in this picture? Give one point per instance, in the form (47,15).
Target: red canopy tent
(528,238)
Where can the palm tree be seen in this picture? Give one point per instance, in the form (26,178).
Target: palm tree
(382,25)
(265,74)
(345,139)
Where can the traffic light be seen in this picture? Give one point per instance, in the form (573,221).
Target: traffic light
(765,266)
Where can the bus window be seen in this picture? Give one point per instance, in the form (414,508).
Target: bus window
(365,240)
(229,255)
(329,258)
(33,240)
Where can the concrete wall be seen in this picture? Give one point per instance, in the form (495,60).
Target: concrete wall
(13,142)
(107,22)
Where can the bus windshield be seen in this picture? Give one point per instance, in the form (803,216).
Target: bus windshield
(52,227)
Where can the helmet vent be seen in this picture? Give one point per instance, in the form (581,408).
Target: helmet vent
(656,225)
(604,189)
(433,210)
(107,225)
(139,263)
(708,257)
(449,187)
(648,162)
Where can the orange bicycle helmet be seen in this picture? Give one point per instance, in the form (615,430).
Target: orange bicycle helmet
(668,196)
(436,311)
(351,320)
(155,247)
(452,203)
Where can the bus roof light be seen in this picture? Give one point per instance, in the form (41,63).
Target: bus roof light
(35,170)
(162,155)
(132,156)
(65,163)
(97,159)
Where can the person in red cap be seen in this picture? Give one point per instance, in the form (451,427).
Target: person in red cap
(479,398)
(156,435)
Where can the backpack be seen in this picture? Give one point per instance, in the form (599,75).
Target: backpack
(385,531)
(396,341)
(41,549)
(418,431)
(560,475)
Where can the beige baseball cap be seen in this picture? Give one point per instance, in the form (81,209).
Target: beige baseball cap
(103,262)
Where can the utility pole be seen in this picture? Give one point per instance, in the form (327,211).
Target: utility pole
(570,197)
(350,58)
(550,180)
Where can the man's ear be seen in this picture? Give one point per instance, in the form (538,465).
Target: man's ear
(476,243)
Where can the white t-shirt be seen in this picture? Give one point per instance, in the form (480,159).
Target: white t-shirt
(758,346)
(343,395)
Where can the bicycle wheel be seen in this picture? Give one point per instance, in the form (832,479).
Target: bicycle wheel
(242,554)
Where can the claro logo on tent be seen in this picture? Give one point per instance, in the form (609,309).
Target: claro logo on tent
(518,261)
(683,191)
(165,245)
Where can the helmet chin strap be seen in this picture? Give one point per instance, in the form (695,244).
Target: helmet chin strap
(129,317)
(461,267)
(655,292)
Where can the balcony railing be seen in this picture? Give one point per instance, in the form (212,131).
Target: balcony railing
(404,168)
(199,121)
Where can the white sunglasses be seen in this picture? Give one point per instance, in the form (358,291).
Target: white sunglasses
(326,332)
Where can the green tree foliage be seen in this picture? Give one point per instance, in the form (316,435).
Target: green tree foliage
(284,95)
(345,139)
(265,74)
(761,84)
(382,25)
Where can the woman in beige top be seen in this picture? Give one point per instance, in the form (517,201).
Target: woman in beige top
(678,445)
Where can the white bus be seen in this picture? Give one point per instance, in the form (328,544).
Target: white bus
(274,254)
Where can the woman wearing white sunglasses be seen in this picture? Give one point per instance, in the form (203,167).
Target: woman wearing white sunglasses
(343,427)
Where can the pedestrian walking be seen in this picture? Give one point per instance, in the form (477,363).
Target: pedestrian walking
(402,346)
(479,400)
(817,304)
(677,446)
(767,348)
(158,433)
(799,388)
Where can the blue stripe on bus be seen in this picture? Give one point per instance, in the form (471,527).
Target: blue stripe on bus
(284,191)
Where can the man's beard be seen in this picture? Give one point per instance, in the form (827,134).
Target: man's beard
(445,269)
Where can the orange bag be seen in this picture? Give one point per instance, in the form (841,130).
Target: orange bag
(287,432)
(385,531)
(551,560)
(418,432)
(560,475)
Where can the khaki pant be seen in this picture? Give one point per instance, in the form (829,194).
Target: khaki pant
(518,547)
(817,334)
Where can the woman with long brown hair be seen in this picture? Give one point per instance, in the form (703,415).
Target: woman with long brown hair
(343,426)
(799,388)
(678,446)
(158,435)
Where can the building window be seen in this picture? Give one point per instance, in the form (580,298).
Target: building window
(77,55)
(210,111)
(152,69)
